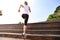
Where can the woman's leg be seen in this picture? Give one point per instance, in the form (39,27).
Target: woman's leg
(26,19)
(25,16)
(25,26)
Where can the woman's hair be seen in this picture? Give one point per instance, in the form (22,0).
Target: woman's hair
(25,3)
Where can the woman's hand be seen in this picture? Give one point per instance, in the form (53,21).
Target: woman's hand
(18,10)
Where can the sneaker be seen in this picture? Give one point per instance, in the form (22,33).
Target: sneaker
(24,33)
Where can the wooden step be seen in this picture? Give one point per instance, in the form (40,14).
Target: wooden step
(6,38)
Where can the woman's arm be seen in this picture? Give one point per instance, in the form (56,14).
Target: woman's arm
(20,7)
(29,9)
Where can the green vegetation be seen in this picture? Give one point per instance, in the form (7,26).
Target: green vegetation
(20,23)
(0,13)
(55,16)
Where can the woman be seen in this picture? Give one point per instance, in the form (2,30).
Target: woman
(25,14)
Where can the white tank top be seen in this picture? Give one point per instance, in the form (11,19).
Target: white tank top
(26,9)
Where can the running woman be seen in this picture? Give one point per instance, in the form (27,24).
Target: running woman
(25,14)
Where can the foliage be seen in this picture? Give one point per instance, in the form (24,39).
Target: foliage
(21,23)
(0,13)
(55,16)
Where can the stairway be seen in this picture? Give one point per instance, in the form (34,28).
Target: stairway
(42,29)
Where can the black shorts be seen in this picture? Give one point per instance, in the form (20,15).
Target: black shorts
(25,16)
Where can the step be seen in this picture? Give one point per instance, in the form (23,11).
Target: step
(6,38)
(56,35)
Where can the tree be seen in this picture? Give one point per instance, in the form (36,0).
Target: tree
(21,23)
(55,16)
(0,13)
